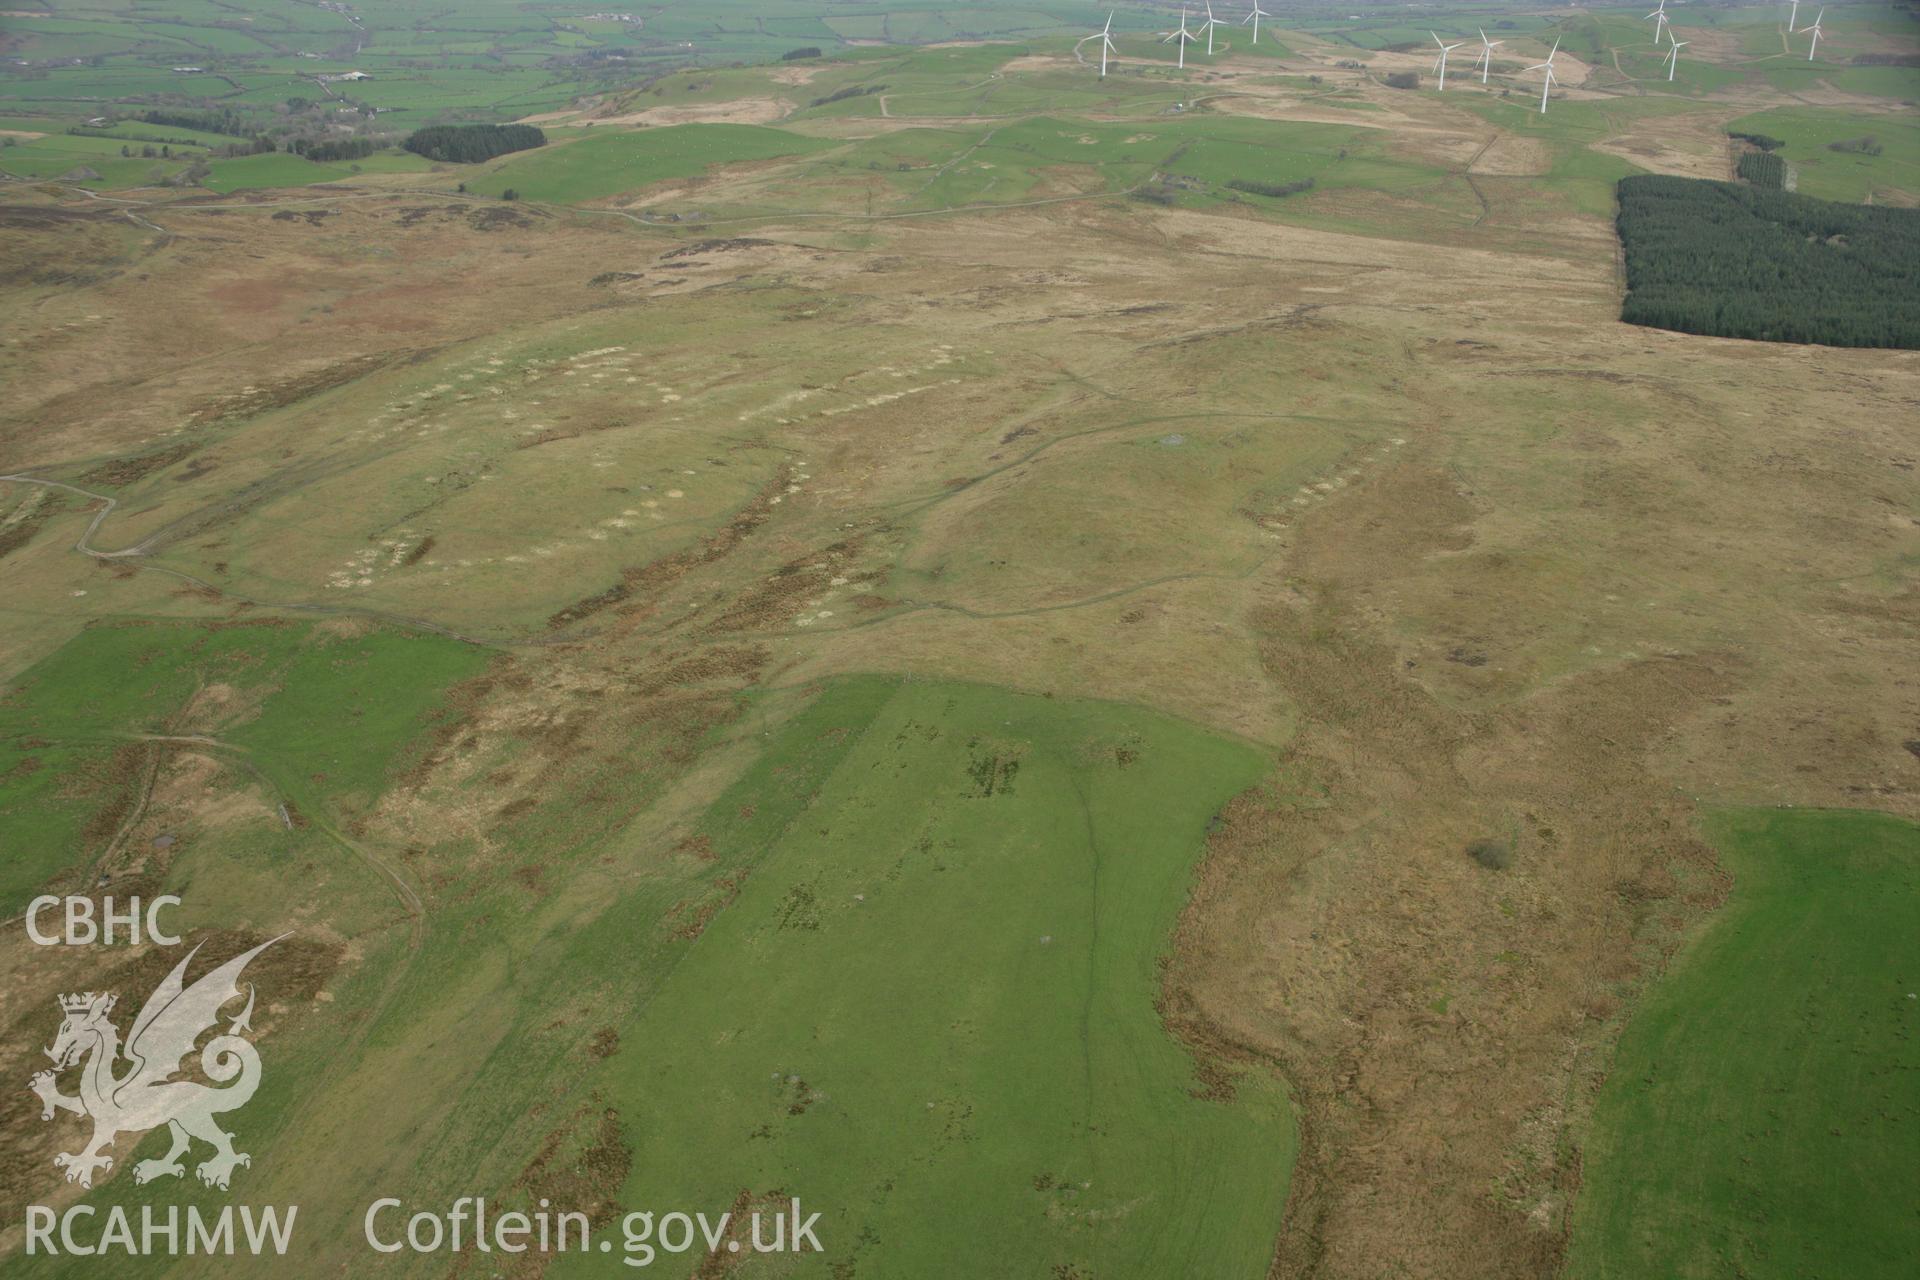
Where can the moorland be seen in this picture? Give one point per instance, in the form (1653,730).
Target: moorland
(1122,676)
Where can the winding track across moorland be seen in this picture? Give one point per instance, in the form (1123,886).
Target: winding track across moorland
(129,555)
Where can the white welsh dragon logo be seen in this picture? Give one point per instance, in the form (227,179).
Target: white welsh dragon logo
(144,1097)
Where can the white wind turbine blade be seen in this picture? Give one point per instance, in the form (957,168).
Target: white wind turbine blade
(1546,82)
(1486,54)
(1254,17)
(1209,25)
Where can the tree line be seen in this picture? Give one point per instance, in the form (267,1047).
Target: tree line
(472,143)
(1274,189)
(212,120)
(1735,261)
(324,150)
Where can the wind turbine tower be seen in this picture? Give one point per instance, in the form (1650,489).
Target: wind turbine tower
(1547,83)
(1210,24)
(1254,17)
(1183,36)
(1486,54)
(1815,28)
(1673,56)
(1441,62)
(1106,44)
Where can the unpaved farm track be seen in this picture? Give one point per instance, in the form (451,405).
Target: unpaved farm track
(130,555)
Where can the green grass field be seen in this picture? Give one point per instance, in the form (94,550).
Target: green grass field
(930,1011)
(323,716)
(1842,175)
(1759,1120)
(599,165)
(280,169)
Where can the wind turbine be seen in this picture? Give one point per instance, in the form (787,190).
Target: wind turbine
(1254,17)
(1815,28)
(1209,25)
(1445,49)
(1547,67)
(1673,55)
(1183,36)
(1486,54)
(1659,17)
(1106,44)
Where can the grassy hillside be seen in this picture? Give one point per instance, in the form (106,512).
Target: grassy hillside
(316,712)
(605,164)
(1759,1115)
(930,1010)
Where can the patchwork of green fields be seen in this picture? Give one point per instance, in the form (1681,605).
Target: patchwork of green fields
(1759,1117)
(930,1011)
